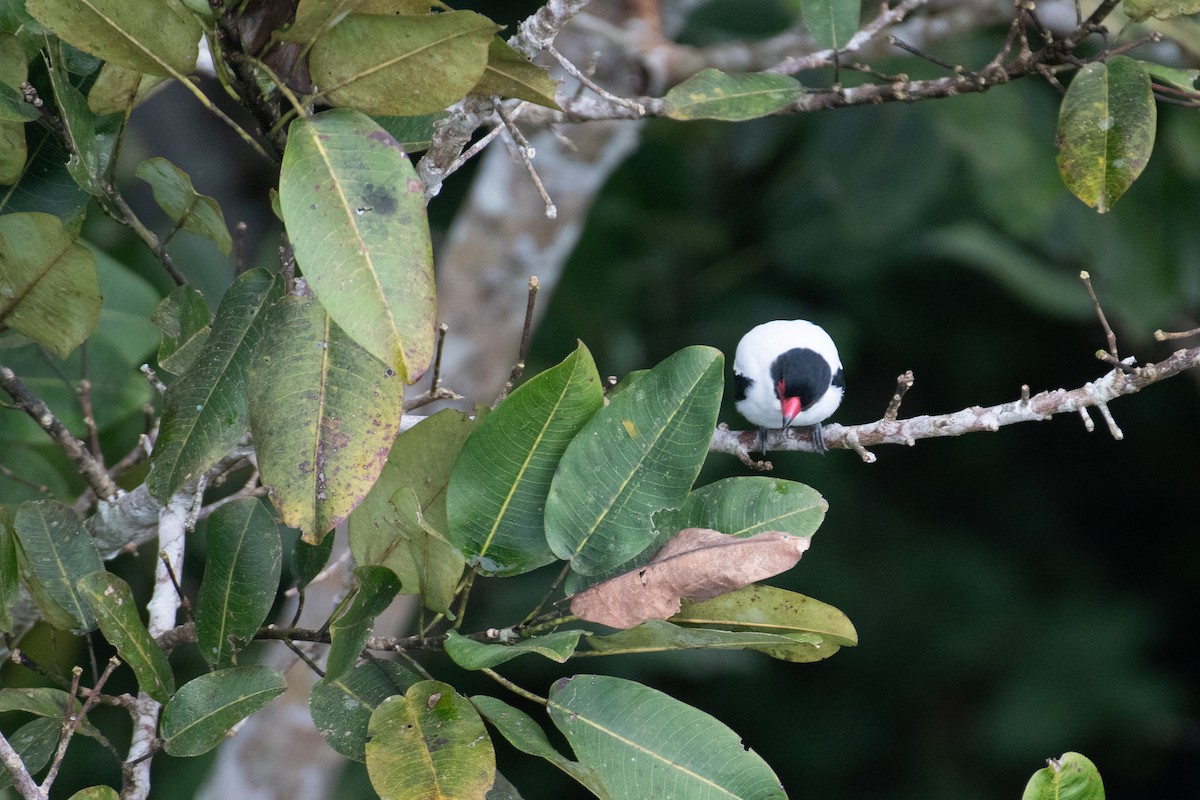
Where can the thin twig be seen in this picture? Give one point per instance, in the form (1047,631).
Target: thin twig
(526,153)
(512,687)
(537,609)
(903,384)
(473,150)
(576,73)
(84,393)
(183,599)
(519,366)
(22,781)
(1162,336)
(91,469)
(1108,331)
(431,396)
(436,380)
(130,219)
(73,719)
(957,69)
(303,657)
(153,379)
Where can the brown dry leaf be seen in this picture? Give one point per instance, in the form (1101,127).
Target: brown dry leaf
(697,563)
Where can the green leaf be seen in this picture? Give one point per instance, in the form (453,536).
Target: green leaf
(1176,76)
(186,323)
(13,108)
(121,341)
(497,494)
(355,212)
(470,654)
(435,563)
(205,708)
(204,412)
(831,22)
(118,89)
(429,743)
(45,702)
(14,150)
(44,183)
(393,535)
(348,634)
(241,576)
(341,708)
(96,793)
(48,285)
(413,134)
(735,97)
(92,140)
(638,454)
(111,600)
(1160,9)
(659,636)
(769,609)
(635,737)
(129,300)
(35,743)
(1106,130)
(746,506)
(152,37)
(313,17)
(656,636)
(10,577)
(1069,777)
(323,412)
(510,74)
(403,65)
(59,551)
(523,733)
(194,212)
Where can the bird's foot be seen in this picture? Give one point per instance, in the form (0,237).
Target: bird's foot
(818,439)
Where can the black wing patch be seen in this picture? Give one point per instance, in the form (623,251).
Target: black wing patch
(839,380)
(741,385)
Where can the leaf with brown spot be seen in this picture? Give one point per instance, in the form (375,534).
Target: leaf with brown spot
(698,564)
(323,414)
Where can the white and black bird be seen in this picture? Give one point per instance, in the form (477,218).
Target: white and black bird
(786,373)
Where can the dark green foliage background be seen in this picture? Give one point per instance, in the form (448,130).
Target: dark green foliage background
(1017,594)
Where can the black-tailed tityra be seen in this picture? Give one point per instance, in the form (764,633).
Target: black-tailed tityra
(786,373)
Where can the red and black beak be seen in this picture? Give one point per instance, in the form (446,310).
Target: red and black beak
(791,405)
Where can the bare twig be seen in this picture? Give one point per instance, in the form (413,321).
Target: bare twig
(1108,331)
(84,393)
(519,367)
(91,469)
(435,381)
(251,488)
(526,153)
(22,780)
(1162,336)
(130,219)
(903,384)
(512,687)
(153,379)
(584,80)
(73,719)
